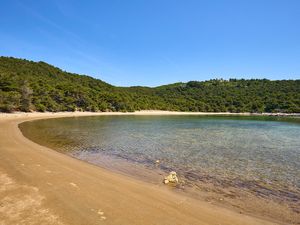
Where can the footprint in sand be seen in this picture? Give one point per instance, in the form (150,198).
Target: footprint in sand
(103,218)
(74,185)
(101,213)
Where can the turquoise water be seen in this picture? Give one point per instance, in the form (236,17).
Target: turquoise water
(256,154)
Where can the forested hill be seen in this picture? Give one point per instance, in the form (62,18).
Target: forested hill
(38,86)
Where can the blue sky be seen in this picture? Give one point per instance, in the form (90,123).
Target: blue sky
(155,42)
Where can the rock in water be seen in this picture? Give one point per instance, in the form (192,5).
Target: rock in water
(171,178)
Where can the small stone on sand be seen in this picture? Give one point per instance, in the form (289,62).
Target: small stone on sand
(171,178)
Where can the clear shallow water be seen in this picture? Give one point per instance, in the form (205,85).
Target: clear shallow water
(257,154)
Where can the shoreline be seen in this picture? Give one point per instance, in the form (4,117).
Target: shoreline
(71,191)
(142,112)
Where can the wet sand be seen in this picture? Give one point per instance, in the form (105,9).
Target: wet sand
(41,186)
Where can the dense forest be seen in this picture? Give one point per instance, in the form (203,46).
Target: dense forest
(37,86)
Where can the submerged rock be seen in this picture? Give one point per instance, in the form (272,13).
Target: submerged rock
(171,178)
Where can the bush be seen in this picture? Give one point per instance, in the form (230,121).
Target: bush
(40,107)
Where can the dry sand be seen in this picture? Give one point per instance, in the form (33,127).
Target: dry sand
(41,186)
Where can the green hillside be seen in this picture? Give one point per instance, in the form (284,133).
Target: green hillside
(37,86)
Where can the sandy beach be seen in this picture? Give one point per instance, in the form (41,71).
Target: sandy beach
(41,186)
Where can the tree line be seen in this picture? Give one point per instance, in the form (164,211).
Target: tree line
(37,86)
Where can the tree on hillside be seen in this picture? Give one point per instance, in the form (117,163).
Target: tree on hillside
(26,95)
